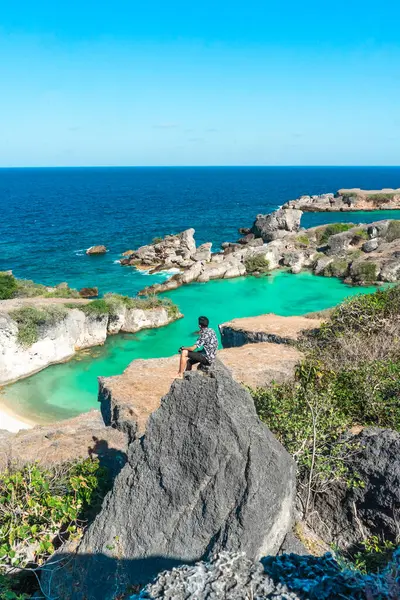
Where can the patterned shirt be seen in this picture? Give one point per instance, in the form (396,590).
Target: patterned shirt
(209,342)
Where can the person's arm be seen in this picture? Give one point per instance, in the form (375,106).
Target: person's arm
(196,346)
(190,348)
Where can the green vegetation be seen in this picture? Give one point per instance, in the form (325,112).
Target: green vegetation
(354,254)
(373,555)
(30,319)
(359,235)
(350,376)
(380,198)
(43,507)
(364,272)
(303,240)
(349,195)
(112,304)
(393,232)
(325,233)
(257,264)
(156,240)
(8,286)
(337,268)
(143,303)
(95,308)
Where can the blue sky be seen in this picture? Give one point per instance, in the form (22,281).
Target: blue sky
(210,83)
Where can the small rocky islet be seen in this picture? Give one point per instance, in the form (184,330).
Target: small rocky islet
(220,488)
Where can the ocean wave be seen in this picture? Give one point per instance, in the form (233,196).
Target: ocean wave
(80,252)
(162,272)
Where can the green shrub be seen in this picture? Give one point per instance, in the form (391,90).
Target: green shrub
(380,198)
(30,319)
(354,254)
(8,286)
(257,264)
(364,272)
(63,293)
(310,414)
(113,303)
(95,308)
(29,289)
(393,232)
(26,288)
(156,240)
(9,589)
(171,308)
(373,555)
(364,313)
(359,235)
(324,234)
(303,416)
(337,268)
(349,195)
(350,376)
(303,240)
(39,506)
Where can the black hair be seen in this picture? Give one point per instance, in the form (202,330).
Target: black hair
(203,321)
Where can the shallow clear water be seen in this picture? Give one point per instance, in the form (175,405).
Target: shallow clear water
(65,390)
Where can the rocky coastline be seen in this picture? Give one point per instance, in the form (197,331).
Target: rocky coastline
(63,328)
(364,254)
(348,200)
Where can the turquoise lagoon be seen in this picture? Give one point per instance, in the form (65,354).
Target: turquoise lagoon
(65,390)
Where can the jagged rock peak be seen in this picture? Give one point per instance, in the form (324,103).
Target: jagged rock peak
(207,476)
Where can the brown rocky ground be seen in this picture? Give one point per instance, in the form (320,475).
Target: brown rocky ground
(268,327)
(14,303)
(131,397)
(55,443)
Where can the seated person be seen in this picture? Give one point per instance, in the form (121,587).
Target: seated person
(203,352)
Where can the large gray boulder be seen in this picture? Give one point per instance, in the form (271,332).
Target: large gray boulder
(206,476)
(277,224)
(346,514)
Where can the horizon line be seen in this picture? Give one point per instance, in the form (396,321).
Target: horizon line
(355,166)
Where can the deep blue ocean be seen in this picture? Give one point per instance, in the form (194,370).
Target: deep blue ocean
(50,216)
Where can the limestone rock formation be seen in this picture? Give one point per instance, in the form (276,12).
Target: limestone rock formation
(171,251)
(68,440)
(227,576)
(347,200)
(207,476)
(231,576)
(258,365)
(278,238)
(347,515)
(72,331)
(96,250)
(265,328)
(277,224)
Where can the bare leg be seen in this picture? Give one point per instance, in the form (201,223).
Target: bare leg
(183,363)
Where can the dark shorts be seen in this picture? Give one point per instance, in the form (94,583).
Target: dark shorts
(198,357)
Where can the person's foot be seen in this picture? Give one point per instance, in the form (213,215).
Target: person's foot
(178,376)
